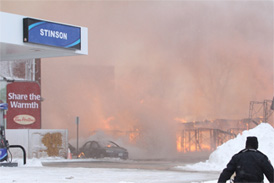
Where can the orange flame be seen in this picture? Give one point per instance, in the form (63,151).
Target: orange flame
(179,144)
(180,120)
(205,147)
(184,144)
(133,135)
(106,122)
(82,154)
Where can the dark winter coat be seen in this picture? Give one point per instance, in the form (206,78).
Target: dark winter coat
(250,166)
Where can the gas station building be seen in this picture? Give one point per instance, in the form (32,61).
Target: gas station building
(24,42)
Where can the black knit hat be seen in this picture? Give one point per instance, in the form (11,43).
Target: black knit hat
(251,143)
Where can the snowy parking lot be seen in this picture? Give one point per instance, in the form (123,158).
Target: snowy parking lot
(37,170)
(34,171)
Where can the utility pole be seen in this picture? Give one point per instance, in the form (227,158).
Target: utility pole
(77,132)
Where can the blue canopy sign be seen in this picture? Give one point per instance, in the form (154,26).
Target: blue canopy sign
(51,34)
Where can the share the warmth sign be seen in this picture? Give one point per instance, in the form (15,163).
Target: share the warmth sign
(24,105)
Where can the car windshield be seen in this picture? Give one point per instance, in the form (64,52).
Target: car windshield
(108,144)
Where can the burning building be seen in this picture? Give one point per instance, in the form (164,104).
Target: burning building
(150,62)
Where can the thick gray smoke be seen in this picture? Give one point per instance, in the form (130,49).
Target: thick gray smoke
(152,64)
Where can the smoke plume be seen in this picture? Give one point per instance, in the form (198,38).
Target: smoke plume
(150,63)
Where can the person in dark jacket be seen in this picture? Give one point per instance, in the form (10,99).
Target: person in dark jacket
(250,165)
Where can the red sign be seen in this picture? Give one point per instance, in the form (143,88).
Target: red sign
(24,105)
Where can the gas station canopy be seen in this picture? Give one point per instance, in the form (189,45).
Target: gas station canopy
(28,38)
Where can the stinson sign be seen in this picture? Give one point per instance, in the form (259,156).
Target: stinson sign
(24,105)
(51,34)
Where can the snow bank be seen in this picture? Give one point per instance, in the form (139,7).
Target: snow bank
(220,157)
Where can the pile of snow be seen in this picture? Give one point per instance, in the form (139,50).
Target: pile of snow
(221,156)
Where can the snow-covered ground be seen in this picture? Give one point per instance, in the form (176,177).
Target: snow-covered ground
(31,174)
(34,171)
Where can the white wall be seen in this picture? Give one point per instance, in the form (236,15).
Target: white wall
(31,140)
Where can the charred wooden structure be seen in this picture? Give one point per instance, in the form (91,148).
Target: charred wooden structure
(203,139)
